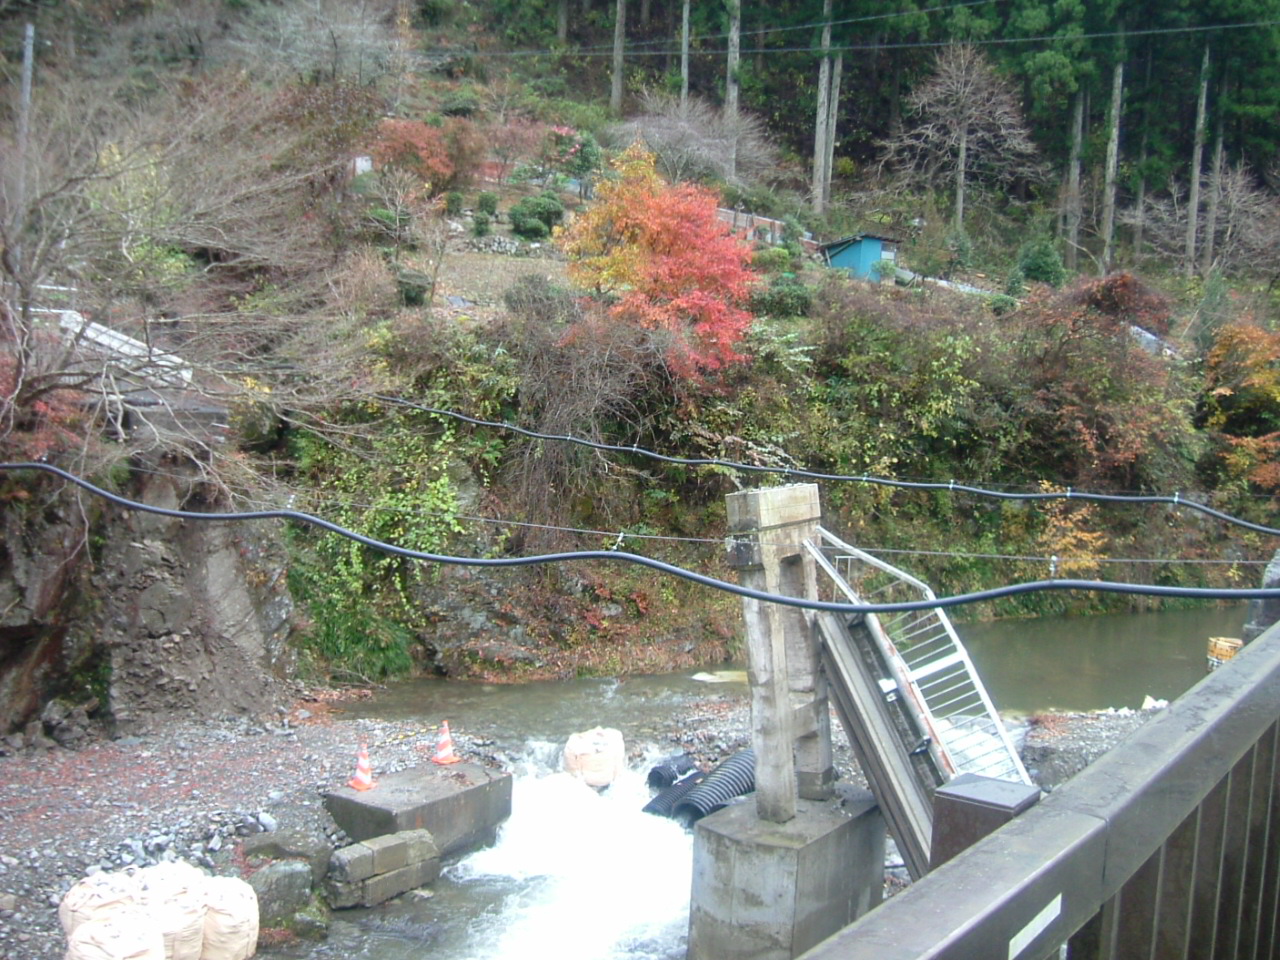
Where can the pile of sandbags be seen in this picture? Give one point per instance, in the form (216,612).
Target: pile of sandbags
(170,911)
(596,757)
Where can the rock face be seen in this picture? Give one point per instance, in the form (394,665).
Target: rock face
(138,616)
(283,889)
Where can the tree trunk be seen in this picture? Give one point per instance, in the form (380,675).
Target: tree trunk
(1197,153)
(1113,157)
(895,95)
(1073,203)
(619,35)
(833,113)
(731,82)
(1141,198)
(562,20)
(961,163)
(644,13)
(823,115)
(684,58)
(1215,195)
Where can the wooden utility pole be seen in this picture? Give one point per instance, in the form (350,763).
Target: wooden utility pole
(833,113)
(1197,153)
(1109,177)
(684,58)
(619,36)
(1073,181)
(823,115)
(790,721)
(731,83)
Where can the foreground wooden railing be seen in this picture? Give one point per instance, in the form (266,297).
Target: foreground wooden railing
(1167,847)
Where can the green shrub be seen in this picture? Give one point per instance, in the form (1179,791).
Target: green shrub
(453,203)
(1039,261)
(771,260)
(784,297)
(487,203)
(1001,303)
(533,217)
(480,223)
(1015,285)
(460,103)
(961,249)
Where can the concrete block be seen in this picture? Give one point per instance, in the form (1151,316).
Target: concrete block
(770,891)
(351,864)
(387,885)
(389,853)
(461,805)
(341,894)
(421,845)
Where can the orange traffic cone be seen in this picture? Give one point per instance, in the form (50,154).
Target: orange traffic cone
(444,749)
(363,780)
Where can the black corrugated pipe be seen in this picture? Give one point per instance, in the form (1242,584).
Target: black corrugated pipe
(732,778)
(665,802)
(670,770)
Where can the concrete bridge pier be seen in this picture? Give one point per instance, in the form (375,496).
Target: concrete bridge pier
(774,878)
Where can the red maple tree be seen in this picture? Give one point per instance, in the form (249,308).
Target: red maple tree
(673,266)
(416,147)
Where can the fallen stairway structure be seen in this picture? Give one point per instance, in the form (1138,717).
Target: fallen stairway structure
(906,692)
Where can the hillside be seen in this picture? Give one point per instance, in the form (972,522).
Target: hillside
(450,206)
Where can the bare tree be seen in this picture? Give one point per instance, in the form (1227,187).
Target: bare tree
(968,127)
(1247,225)
(691,141)
(122,216)
(320,40)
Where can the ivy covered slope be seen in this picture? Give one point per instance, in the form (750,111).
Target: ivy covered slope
(318,217)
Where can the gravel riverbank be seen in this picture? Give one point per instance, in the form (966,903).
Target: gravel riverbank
(196,791)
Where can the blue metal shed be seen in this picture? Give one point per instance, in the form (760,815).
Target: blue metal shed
(860,253)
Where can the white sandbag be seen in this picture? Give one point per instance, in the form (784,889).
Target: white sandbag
(96,898)
(230,920)
(596,757)
(129,934)
(173,896)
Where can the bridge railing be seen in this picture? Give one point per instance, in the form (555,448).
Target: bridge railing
(1166,847)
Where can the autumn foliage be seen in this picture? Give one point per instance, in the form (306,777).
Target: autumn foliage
(672,266)
(1243,401)
(414,146)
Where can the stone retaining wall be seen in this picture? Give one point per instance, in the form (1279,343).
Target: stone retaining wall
(375,870)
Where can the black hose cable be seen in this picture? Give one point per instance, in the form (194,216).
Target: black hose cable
(1142,589)
(1176,500)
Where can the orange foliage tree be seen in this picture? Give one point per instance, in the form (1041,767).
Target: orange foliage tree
(1242,401)
(669,263)
(416,147)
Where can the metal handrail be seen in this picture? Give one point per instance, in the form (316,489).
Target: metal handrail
(1164,847)
(948,731)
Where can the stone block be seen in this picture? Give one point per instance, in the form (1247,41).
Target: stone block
(421,845)
(283,888)
(461,805)
(389,853)
(385,886)
(351,864)
(341,894)
(769,891)
(294,844)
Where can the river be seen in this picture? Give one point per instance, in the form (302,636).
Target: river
(589,877)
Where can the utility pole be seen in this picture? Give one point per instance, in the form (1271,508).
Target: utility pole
(24,137)
(684,59)
(619,38)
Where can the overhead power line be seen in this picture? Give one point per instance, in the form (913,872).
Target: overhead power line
(671,50)
(1176,500)
(1008,590)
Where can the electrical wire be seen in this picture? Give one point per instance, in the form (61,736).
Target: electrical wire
(633,51)
(952,487)
(1008,590)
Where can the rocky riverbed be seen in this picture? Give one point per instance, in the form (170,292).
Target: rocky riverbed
(211,792)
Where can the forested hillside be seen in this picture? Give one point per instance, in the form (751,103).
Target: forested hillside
(315,222)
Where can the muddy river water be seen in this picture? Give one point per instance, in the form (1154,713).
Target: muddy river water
(588,877)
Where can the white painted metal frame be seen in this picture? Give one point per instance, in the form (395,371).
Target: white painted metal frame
(928,665)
